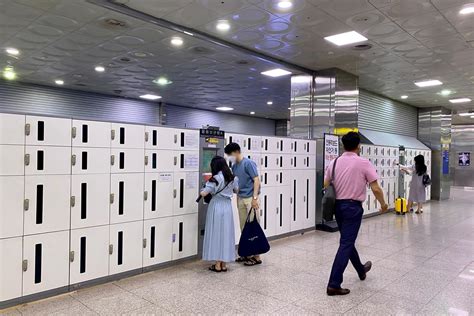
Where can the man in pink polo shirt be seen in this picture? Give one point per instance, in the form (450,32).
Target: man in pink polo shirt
(352,174)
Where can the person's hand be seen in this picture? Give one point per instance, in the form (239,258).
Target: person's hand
(255,204)
(384,208)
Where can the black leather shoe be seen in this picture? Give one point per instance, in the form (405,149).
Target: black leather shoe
(367,267)
(332,292)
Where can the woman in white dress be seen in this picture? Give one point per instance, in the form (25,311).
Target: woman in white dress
(417,187)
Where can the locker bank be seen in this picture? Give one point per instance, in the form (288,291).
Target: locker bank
(110,112)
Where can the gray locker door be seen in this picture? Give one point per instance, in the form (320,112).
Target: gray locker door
(89,254)
(12,160)
(126,247)
(47,160)
(127,160)
(158,245)
(90,160)
(160,161)
(47,204)
(48,131)
(12,129)
(186,189)
(12,191)
(185,233)
(46,264)
(90,200)
(91,134)
(127,196)
(158,195)
(128,136)
(10,268)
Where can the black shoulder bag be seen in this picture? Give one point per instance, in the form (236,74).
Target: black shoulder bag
(329,197)
(208,198)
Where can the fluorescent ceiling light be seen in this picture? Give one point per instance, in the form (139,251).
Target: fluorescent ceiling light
(177,41)
(269,102)
(59,82)
(9,73)
(285,4)
(346,38)
(445,92)
(277,72)
(252,113)
(150,97)
(12,51)
(404,97)
(467,10)
(428,83)
(224,108)
(460,100)
(223,26)
(99,69)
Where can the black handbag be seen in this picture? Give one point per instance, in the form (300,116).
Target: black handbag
(329,198)
(253,240)
(426,180)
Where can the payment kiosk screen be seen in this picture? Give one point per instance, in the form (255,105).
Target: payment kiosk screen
(207,156)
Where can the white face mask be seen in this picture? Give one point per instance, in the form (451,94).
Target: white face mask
(231,159)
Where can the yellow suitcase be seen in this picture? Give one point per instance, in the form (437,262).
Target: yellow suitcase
(401,206)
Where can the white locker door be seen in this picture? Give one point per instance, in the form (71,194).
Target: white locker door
(90,200)
(158,245)
(301,162)
(283,207)
(10,268)
(238,139)
(89,254)
(48,131)
(270,161)
(294,148)
(126,247)
(91,134)
(311,162)
(270,178)
(185,233)
(270,145)
(286,161)
(309,212)
(12,191)
(254,144)
(12,129)
(188,139)
(128,136)
(159,161)
(90,160)
(268,211)
(127,195)
(47,160)
(186,161)
(297,203)
(161,138)
(257,158)
(158,195)
(46,262)
(127,160)
(186,189)
(304,147)
(47,204)
(12,160)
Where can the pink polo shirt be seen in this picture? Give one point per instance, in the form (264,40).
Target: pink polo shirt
(352,175)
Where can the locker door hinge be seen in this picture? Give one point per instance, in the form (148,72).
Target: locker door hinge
(277,177)
(173,238)
(304,198)
(111,249)
(175,138)
(27,159)
(73,201)
(146,160)
(112,198)
(278,210)
(144,242)
(175,160)
(145,195)
(27,129)
(71,256)
(73,160)
(112,134)
(24,265)
(146,136)
(26,204)
(174,193)
(73,132)
(245,143)
(291,200)
(112,160)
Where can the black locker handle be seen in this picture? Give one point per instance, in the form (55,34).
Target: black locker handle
(39,204)
(180,237)
(38,262)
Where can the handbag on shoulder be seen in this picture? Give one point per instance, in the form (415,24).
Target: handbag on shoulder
(329,198)
(426,180)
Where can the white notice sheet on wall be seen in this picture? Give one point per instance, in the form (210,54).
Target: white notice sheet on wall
(191,140)
(191,180)
(191,161)
(165,177)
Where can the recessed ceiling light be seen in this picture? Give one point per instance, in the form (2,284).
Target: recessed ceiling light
(460,100)
(59,82)
(188,33)
(9,73)
(12,51)
(150,97)
(467,10)
(99,69)
(270,102)
(346,38)
(252,113)
(177,41)
(285,4)
(428,83)
(224,108)
(404,97)
(277,72)
(162,81)
(445,92)
(223,26)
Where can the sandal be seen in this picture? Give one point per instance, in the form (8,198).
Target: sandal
(224,269)
(241,260)
(417,212)
(252,262)
(213,268)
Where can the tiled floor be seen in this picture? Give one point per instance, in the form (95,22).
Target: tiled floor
(422,265)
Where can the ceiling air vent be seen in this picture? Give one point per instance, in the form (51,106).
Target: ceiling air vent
(362,47)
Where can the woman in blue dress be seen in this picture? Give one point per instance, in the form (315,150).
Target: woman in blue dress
(219,236)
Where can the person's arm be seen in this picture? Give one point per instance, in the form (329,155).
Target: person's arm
(378,193)
(210,188)
(236,185)
(256,189)
(328,175)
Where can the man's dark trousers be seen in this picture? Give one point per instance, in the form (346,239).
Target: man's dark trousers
(348,218)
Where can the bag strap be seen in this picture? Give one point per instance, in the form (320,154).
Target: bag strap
(222,189)
(250,212)
(334,170)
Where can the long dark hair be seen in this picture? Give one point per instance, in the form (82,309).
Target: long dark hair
(219,164)
(420,166)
